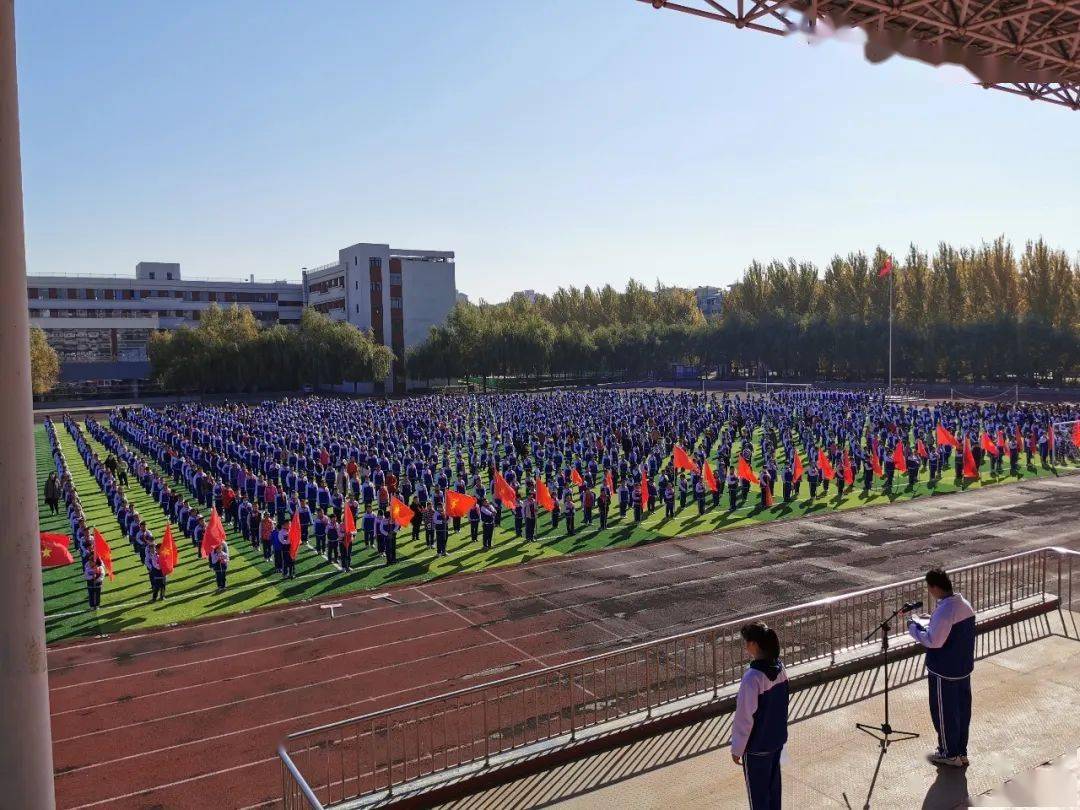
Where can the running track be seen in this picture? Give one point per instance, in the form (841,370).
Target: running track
(191,716)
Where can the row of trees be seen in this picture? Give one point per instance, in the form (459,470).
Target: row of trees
(44,362)
(965,313)
(230,351)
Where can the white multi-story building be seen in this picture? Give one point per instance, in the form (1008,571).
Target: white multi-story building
(397,294)
(100,325)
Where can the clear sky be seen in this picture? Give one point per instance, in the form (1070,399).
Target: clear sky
(547,142)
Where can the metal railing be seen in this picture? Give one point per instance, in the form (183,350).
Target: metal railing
(374,755)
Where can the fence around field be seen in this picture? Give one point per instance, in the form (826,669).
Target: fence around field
(376,754)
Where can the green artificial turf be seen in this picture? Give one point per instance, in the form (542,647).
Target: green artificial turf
(253,582)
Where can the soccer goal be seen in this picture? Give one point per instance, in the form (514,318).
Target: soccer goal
(768,387)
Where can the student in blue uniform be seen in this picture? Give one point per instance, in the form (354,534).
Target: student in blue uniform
(759,727)
(949,638)
(367,523)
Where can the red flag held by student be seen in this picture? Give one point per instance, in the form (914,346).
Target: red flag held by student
(920,448)
(213,535)
(875,462)
(348,521)
(987,444)
(54,550)
(169,555)
(609,481)
(1033,443)
(944,437)
(458,504)
(575,477)
(1000,439)
(644,490)
(797,472)
(849,472)
(899,459)
(745,471)
(504,492)
(827,470)
(1019,439)
(1076,434)
(1050,439)
(294,535)
(399,512)
(768,497)
(710,477)
(101,548)
(970,470)
(543,496)
(886,267)
(683,461)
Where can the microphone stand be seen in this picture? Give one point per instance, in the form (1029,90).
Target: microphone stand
(885,734)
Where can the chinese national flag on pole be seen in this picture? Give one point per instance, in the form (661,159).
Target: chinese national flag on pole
(504,492)
(214,535)
(826,468)
(944,437)
(399,512)
(169,555)
(575,477)
(458,504)
(849,472)
(348,525)
(899,459)
(101,548)
(54,550)
(886,267)
(797,471)
(710,477)
(609,481)
(683,461)
(970,470)
(745,471)
(543,496)
(294,535)
(987,444)
(644,490)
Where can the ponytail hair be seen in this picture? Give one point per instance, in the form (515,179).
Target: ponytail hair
(764,636)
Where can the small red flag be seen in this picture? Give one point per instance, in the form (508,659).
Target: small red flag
(683,461)
(899,459)
(1050,438)
(214,535)
(575,477)
(169,555)
(970,470)
(944,437)
(1076,434)
(797,472)
(504,492)
(54,550)
(886,267)
(745,471)
(920,448)
(348,521)
(543,496)
(458,504)
(987,444)
(849,472)
(101,548)
(1019,439)
(710,477)
(875,462)
(609,481)
(826,468)
(768,497)
(1033,443)
(294,535)
(401,514)
(644,490)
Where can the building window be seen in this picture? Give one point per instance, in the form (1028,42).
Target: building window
(376,287)
(395,278)
(168,276)
(357,309)
(151,275)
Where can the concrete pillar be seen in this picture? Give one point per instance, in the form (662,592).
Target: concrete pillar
(25,738)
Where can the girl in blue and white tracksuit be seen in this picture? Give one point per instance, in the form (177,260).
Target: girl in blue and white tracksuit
(759,728)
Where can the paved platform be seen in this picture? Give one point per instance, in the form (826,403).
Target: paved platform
(1026,693)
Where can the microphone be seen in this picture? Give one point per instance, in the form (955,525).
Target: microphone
(910,606)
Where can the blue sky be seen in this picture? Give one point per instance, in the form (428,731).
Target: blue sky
(548,142)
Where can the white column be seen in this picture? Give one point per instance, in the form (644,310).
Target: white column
(25,739)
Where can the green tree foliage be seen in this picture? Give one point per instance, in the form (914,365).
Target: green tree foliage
(981,313)
(44,363)
(230,351)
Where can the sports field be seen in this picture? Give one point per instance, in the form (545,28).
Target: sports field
(253,582)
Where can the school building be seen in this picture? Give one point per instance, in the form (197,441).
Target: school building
(398,294)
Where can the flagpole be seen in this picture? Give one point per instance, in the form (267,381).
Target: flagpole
(892,272)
